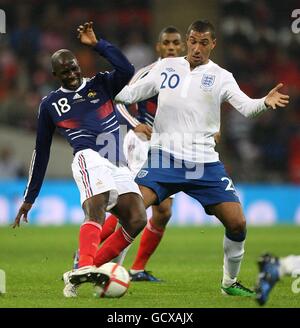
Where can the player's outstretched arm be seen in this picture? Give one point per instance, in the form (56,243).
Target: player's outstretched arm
(86,34)
(23,211)
(275,98)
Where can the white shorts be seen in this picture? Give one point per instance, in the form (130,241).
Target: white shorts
(135,151)
(95,175)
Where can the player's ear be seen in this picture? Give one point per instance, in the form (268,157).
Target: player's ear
(157,47)
(214,43)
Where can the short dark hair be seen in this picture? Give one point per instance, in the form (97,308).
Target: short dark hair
(202,26)
(168,29)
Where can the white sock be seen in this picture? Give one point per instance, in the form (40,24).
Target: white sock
(135,271)
(121,257)
(289,265)
(233,255)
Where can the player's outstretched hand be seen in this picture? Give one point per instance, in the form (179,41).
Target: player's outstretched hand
(143,130)
(23,211)
(86,34)
(275,98)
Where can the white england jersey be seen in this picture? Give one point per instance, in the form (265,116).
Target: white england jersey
(188,113)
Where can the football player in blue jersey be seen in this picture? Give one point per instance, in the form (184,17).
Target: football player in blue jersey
(82,110)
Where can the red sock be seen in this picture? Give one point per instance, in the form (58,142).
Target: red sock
(150,239)
(113,246)
(109,227)
(89,240)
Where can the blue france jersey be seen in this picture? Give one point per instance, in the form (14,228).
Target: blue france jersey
(82,115)
(86,117)
(147,110)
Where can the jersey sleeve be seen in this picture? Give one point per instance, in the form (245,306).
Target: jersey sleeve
(232,93)
(142,89)
(40,156)
(124,117)
(123,69)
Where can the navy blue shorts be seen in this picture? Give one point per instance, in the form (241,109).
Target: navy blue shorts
(208,183)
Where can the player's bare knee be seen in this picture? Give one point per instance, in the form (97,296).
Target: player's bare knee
(161,218)
(237,226)
(163,213)
(95,208)
(138,219)
(133,218)
(135,221)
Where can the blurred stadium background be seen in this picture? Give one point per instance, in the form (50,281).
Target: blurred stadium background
(255,42)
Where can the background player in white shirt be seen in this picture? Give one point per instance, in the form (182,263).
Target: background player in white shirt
(136,149)
(182,158)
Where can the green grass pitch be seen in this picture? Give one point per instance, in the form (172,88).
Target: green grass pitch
(189,260)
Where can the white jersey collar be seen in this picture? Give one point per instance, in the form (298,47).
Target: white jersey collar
(82,85)
(199,67)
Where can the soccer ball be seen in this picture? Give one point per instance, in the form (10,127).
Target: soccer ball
(117,284)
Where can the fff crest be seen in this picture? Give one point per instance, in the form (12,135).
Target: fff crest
(92,94)
(208,80)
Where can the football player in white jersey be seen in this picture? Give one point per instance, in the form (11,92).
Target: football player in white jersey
(182,156)
(169,44)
